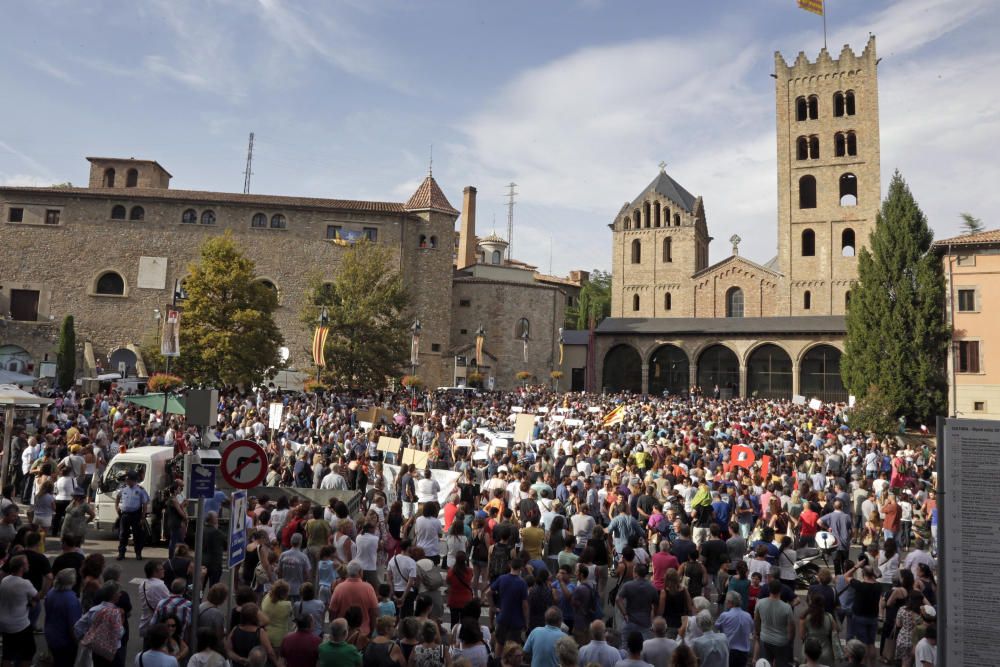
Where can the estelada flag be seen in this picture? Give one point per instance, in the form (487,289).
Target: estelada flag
(814,6)
(319,343)
(616,416)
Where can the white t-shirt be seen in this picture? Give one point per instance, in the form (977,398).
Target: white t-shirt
(583,527)
(15,596)
(427,535)
(64,487)
(367,554)
(427,490)
(924,652)
(402,568)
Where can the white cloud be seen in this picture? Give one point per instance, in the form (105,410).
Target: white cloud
(24,180)
(29,161)
(53,71)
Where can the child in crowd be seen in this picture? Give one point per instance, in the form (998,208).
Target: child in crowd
(386,607)
(326,573)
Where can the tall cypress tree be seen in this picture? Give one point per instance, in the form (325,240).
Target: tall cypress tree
(897,337)
(66,355)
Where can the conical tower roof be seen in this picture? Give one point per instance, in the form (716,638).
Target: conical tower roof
(667,187)
(429,197)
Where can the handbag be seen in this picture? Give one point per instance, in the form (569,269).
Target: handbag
(100,637)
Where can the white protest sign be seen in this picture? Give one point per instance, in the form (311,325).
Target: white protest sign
(446,479)
(274,412)
(815,404)
(798,400)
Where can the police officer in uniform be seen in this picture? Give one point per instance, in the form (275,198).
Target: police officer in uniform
(132,504)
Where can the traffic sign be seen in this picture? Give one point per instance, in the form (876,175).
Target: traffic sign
(238,529)
(201,483)
(244,464)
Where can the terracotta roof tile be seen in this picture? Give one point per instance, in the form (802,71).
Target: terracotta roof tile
(987,237)
(430,197)
(199,196)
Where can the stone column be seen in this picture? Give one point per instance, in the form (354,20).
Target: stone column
(743,381)
(645,378)
(692,376)
(796,385)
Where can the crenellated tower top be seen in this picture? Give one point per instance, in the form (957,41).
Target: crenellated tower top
(825,64)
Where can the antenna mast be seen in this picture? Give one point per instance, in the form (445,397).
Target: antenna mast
(248,173)
(510,218)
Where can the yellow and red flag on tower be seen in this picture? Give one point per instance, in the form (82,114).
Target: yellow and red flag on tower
(319,344)
(814,6)
(616,416)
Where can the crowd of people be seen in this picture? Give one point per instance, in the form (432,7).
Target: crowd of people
(626,531)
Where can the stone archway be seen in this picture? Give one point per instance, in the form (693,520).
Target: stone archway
(622,370)
(719,366)
(16,359)
(819,374)
(122,355)
(769,373)
(669,370)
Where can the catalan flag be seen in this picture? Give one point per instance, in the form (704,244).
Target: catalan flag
(616,416)
(319,344)
(814,6)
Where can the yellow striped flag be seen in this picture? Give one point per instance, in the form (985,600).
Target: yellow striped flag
(616,416)
(814,6)
(319,344)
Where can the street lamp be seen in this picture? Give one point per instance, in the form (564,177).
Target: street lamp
(415,329)
(524,340)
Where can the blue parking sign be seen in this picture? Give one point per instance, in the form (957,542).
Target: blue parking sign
(201,483)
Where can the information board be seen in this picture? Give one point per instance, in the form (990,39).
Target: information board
(238,528)
(968,533)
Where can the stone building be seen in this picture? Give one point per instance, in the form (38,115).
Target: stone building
(774,329)
(972,271)
(111,254)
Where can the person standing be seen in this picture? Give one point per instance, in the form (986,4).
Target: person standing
(354,592)
(214,543)
(774,626)
(132,505)
(17,595)
(738,626)
(839,523)
(176,518)
(658,650)
(597,650)
(637,601)
(711,647)
(62,611)
(294,567)
(509,595)
(541,643)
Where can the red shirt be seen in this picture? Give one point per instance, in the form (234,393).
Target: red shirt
(355,593)
(450,510)
(300,649)
(663,561)
(807,523)
(459,588)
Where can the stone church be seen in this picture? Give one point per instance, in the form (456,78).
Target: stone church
(773,329)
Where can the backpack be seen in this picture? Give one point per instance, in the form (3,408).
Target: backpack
(480,550)
(499,560)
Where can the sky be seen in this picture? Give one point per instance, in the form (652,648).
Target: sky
(575,101)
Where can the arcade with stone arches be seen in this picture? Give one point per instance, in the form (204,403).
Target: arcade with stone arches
(773,369)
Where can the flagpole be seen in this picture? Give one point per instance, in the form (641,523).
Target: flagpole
(824,24)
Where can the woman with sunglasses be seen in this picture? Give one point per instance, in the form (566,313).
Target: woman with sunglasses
(175,645)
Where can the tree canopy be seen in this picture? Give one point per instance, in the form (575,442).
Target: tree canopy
(595,300)
(367,304)
(971,224)
(66,355)
(897,337)
(228,335)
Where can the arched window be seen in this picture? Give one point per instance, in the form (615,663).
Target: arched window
(434,242)
(667,250)
(839,145)
(271,287)
(137,213)
(109,178)
(278,221)
(802,148)
(801,109)
(808,243)
(628,223)
(677,219)
(636,251)
(807,300)
(635,302)
(646,215)
(814,147)
(259,220)
(208,217)
(813,107)
(852,143)
(637,218)
(110,283)
(847,299)
(131,178)
(838,104)
(523,328)
(667,301)
(847,247)
(666,216)
(497,256)
(734,302)
(189,217)
(656,214)
(848,190)
(118,212)
(807,192)
(849,102)
(423,240)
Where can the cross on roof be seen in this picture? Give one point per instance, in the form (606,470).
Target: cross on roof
(663,165)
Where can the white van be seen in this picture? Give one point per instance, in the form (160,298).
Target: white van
(151,465)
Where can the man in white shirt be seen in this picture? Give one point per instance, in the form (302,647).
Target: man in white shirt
(402,573)
(151,591)
(427,533)
(427,488)
(333,480)
(16,596)
(918,556)
(367,554)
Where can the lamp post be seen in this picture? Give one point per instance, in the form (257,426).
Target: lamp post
(323,320)
(480,338)
(156,319)
(415,330)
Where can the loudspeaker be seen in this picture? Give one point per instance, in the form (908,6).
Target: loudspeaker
(201,407)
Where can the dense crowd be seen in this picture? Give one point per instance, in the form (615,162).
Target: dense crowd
(626,531)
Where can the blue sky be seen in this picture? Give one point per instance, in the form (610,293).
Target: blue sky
(576,102)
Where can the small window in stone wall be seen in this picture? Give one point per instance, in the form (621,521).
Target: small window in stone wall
(208,218)
(52,216)
(464,303)
(118,212)
(15,214)
(463,331)
(435,347)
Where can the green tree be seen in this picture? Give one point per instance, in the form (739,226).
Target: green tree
(366,303)
(66,354)
(897,338)
(971,224)
(227,331)
(595,300)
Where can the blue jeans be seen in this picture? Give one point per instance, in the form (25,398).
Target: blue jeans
(864,629)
